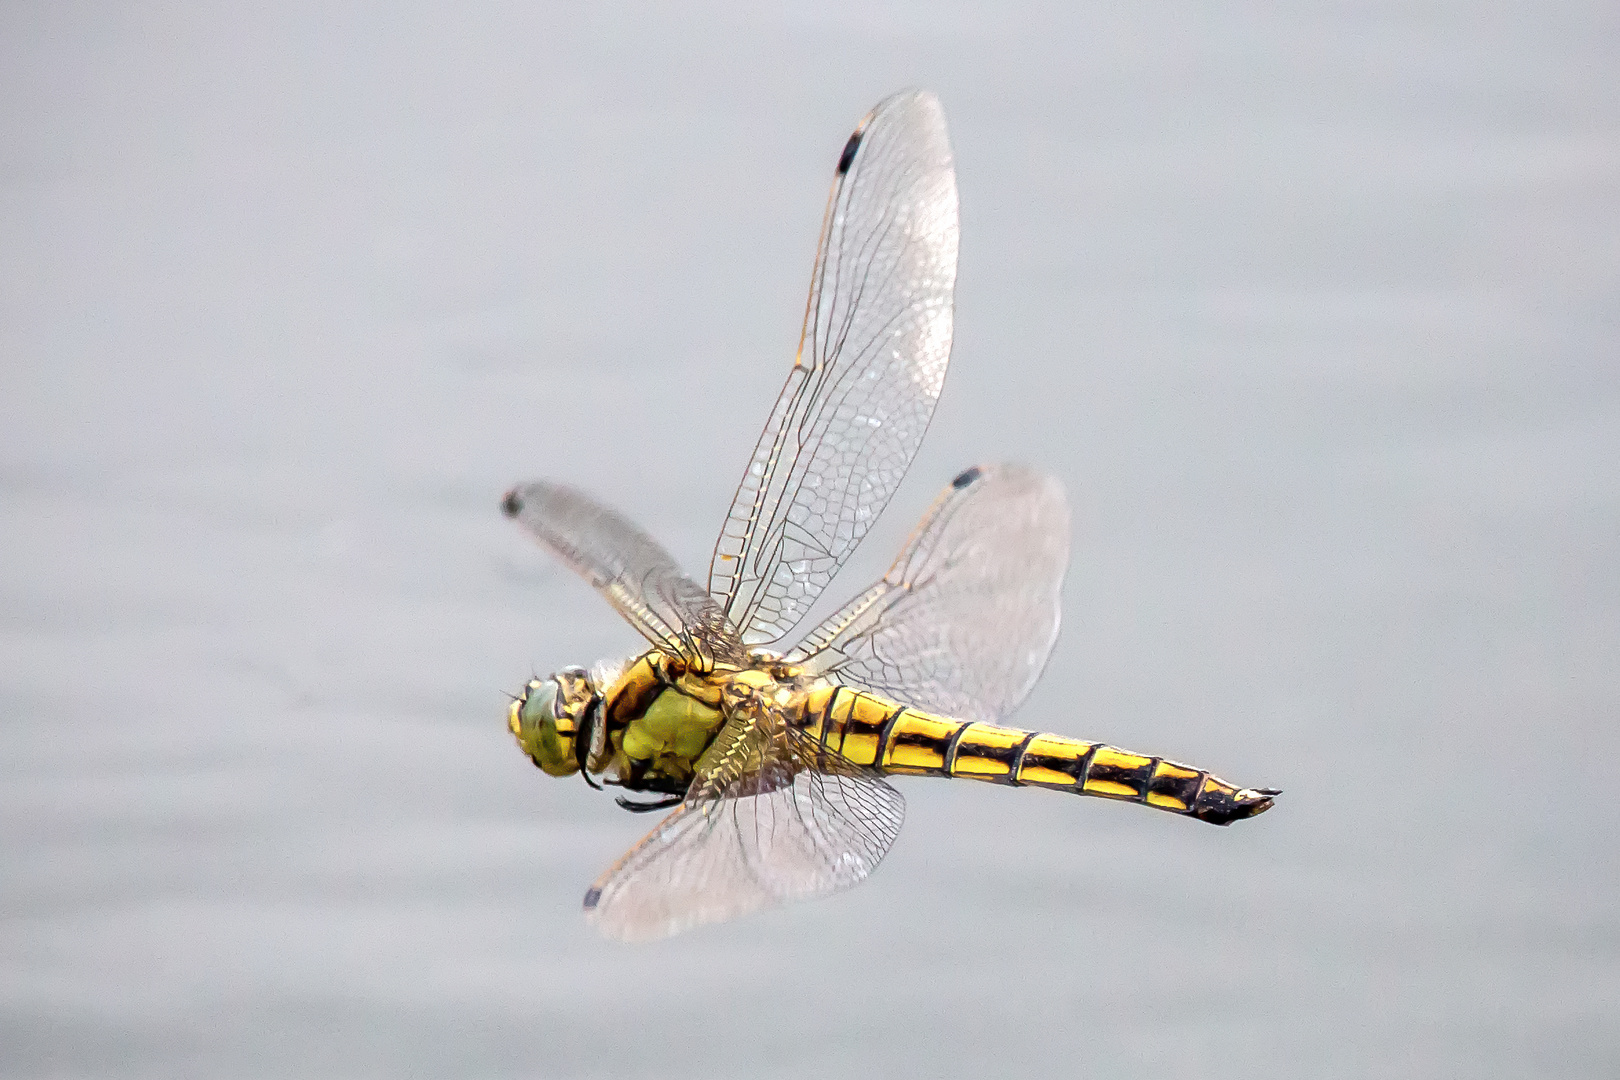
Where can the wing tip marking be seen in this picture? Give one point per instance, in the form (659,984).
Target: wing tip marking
(847,158)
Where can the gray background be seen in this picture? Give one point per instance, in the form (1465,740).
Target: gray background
(1313,310)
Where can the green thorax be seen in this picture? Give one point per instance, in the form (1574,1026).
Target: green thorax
(661,717)
(659,723)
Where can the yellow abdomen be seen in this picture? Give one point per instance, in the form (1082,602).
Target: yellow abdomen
(873,731)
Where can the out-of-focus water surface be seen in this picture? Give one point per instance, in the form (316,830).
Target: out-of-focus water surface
(1313,311)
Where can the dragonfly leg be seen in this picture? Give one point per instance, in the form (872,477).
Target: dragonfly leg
(672,790)
(648,807)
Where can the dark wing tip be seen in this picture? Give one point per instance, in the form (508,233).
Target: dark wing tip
(512,504)
(966,477)
(848,156)
(592,895)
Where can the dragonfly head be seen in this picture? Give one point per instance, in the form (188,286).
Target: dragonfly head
(549,720)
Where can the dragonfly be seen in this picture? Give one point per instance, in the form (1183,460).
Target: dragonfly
(773,758)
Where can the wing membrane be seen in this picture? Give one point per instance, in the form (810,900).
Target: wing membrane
(772,817)
(871,362)
(627,566)
(966,617)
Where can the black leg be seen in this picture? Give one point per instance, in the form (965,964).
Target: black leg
(648,807)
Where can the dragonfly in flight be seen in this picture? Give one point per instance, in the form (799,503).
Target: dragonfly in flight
(772,758)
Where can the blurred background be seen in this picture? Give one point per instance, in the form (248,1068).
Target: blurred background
(1312,308)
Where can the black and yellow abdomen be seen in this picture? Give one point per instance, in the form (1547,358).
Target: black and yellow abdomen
(873,731)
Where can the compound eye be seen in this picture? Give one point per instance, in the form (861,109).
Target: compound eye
(543,728)
(540,704)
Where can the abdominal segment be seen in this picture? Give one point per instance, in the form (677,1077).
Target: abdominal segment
(893,738)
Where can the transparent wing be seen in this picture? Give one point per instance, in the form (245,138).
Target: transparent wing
(773,816)
(627,566)
(871,361)
(964,620)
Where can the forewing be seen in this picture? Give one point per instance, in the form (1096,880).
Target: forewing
(871,362)
(627,566)
(966,617)
(772,817)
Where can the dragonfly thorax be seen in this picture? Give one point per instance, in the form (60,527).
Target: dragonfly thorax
(643,725)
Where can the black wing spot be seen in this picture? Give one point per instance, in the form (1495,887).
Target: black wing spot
(591,897)
(511,505)
(848,155)
(966,477)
